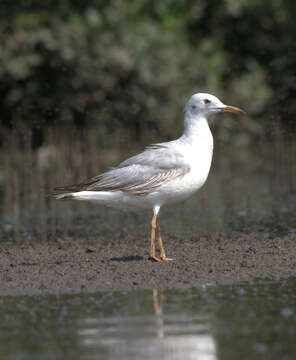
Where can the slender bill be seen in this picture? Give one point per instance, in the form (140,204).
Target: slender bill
(233,109)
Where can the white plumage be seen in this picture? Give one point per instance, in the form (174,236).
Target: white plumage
(163,174)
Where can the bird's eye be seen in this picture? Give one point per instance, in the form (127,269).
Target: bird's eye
(193,107)
(207,101)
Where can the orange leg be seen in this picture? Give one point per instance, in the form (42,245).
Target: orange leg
(152,239)
(160,243)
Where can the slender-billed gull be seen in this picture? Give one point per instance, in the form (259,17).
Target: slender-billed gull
(163,174)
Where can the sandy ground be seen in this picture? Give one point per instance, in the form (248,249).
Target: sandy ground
(95,264)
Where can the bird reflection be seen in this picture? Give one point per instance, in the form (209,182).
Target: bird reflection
(157,305)
(170,333)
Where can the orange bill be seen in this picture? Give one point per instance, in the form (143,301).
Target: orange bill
(233,109)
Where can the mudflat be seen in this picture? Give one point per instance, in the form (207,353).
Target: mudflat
(91,264)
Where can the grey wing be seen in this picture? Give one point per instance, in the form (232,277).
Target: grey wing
(140,174)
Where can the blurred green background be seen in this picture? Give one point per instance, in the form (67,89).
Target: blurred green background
(83,84)
(132,64)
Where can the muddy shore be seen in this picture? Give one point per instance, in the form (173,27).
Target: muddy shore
(96,264)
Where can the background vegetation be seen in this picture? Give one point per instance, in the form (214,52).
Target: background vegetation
(84,84)
(132,64)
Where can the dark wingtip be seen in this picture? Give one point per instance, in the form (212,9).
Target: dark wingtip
(59,196)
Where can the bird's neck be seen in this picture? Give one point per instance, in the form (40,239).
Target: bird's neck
(196,128)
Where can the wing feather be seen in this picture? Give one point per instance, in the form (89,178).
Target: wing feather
(138,175)
(136,181)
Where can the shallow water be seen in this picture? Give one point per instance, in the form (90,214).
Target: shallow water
(241,194)
(225,322)
(249,188)
(252,194)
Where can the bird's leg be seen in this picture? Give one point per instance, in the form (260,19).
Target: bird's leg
(152,239)
(160,244)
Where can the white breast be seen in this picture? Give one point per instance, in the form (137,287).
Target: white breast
(195,147)
(198,157)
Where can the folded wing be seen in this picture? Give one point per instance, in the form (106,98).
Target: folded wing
(139,175)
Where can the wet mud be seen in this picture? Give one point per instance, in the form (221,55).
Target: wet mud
(93,263)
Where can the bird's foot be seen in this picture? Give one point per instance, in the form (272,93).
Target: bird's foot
(154,258)
(164,258)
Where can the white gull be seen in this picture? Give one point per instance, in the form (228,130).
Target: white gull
(163,174)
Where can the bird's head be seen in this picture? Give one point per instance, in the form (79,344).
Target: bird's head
(206,104)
